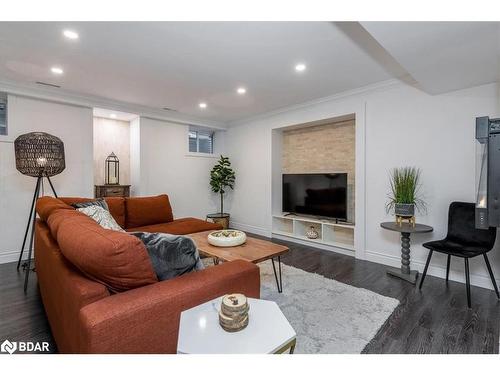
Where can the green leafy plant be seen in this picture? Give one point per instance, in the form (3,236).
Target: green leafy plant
(222,177)
(405,186)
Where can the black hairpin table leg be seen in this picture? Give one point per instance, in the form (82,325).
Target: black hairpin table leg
(279,283)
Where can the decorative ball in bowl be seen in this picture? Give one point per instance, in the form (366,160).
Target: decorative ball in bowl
(227,238)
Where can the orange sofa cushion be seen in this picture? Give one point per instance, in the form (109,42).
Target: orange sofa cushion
(179,226)
(142,211)
(115,259)
(116,206)
(47,205)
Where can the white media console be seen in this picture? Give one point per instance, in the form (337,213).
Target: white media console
(332,235)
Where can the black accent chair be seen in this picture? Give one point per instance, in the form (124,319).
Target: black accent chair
(463,240)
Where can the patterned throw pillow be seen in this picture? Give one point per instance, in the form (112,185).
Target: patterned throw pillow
(101,216)
(96,202)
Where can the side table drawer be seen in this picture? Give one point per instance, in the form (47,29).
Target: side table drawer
(102,191)
(114,192)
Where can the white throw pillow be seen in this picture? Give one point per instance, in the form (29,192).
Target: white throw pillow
(102,217)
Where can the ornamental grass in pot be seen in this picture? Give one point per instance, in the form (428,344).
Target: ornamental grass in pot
(404,196)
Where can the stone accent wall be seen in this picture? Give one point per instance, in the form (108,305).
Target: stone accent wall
(323,148)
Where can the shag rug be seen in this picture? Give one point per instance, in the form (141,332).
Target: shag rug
(328,316)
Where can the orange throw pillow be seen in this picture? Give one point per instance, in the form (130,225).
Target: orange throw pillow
(116,259)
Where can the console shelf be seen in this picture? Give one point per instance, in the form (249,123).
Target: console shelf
(331,234)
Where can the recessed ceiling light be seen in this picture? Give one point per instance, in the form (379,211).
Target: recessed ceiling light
(241,90)
(112,115)
(70,34)
(202,105)
(300,67)
(56,70)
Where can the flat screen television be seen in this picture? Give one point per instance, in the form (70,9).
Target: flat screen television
(318,194)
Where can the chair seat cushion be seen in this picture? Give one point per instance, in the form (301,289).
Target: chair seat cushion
(185,225)
(454,248)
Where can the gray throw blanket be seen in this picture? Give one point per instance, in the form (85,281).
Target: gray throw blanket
(170,254)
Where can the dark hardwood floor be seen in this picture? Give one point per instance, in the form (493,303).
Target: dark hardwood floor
(22,316)
(434,320)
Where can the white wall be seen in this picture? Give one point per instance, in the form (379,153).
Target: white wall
(161,164)
(135,157)
(111,135)
(73,125)
(399,125)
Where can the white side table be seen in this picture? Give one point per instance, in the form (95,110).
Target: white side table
(268,331)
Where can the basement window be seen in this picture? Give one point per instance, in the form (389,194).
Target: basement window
(3,115)
(201,141)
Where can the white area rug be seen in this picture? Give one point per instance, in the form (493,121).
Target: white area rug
(328,316)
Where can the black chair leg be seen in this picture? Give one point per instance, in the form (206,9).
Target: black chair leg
(425,269)
(448,268)
(491,275)
(467,281)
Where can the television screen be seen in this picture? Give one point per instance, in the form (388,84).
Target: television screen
(318,194)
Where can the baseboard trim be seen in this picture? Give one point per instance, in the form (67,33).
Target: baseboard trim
(250,228)
(12,256)
(482,281)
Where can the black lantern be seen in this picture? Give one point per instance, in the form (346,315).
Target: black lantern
(112,170)
(38,155)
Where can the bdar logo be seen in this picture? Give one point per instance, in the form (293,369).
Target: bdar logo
(9,347)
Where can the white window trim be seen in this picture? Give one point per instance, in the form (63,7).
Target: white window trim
(201,155)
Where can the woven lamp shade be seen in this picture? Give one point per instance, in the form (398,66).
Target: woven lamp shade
(39,154)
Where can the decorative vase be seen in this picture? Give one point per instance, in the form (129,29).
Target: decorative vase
(312,233)
(404,209)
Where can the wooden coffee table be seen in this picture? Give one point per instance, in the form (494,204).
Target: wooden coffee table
(253,250)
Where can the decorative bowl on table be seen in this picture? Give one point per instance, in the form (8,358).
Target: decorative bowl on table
(227,238)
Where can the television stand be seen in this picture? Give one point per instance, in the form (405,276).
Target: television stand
(332,234)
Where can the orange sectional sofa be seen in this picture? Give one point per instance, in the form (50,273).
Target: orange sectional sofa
(98,286)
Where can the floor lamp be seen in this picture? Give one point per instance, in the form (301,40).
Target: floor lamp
(38,155)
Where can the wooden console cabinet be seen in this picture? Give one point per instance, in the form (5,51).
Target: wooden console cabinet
(102,191)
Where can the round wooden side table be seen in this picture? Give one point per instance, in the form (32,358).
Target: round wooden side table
(406,230)
(222,219)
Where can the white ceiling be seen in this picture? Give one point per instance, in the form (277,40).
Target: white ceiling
(442,56)
(179,64)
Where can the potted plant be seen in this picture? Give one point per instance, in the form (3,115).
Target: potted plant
(404,196)
(222,177)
